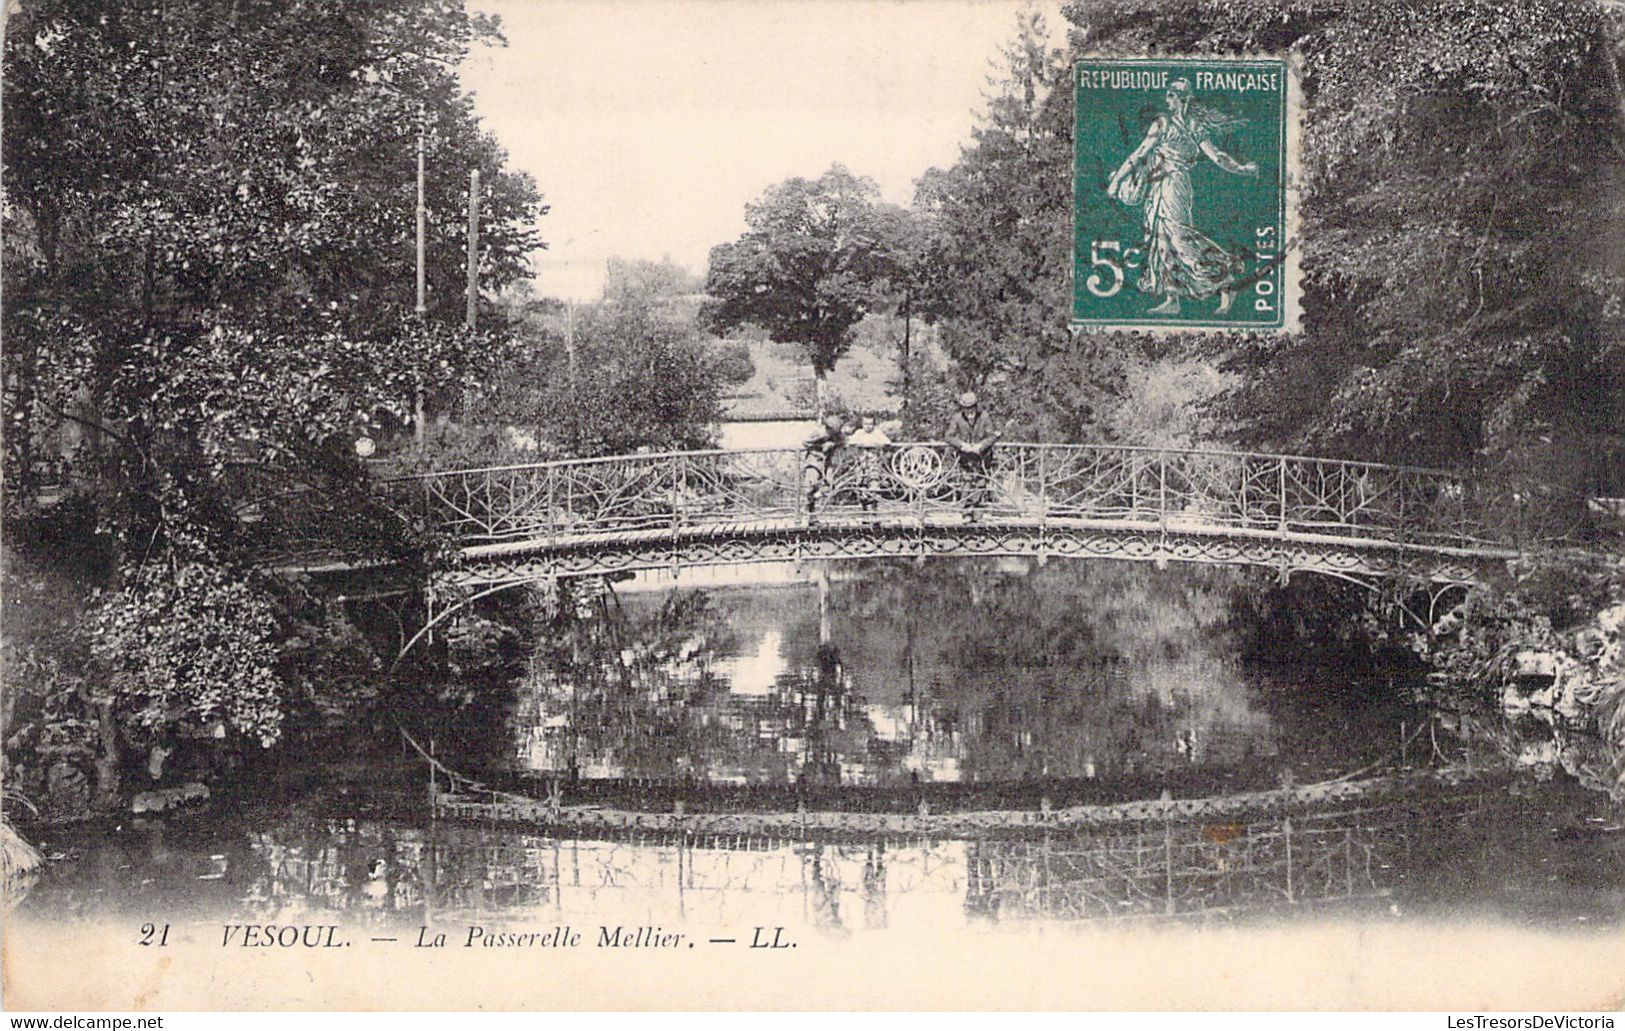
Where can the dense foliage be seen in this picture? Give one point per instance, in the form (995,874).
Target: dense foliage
(209,235)
(1461,203)
(628,372)
(209,282)
(190,650)
(1000,255)
(1461,212)
(640,381)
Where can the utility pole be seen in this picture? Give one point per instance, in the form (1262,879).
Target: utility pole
(570,340)
(473,247)
(570,361)
(422,305)
(423,228)
(471,316)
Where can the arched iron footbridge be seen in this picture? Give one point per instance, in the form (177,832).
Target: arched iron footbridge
(679,510)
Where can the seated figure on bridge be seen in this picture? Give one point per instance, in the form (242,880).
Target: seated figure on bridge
(972,436)
(819,458)
(871,440)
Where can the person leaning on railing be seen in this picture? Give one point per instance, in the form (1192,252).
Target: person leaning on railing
(873,441)
(972,436)
(819,455)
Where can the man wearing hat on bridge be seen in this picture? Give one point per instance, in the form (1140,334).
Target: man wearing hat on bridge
(972,436)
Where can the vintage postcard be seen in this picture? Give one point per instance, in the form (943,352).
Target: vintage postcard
(562,505)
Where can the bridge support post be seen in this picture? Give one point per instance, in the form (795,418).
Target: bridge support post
(1162,511)
(1043,506)
(430,610)
(1286,832)
(1280,486)
(1168,852)
(1283,569)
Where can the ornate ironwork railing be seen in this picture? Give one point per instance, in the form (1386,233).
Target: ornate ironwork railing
(1028,484)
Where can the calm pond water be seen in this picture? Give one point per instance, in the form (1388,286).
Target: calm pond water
(975,677)
(899,689)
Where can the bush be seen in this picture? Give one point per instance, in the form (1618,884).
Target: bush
(732,363)
(189,651)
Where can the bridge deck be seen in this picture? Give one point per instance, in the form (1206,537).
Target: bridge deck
(846,522)
(847,535)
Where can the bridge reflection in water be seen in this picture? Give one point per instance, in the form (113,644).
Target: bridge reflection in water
(1174,868)
(1044,713)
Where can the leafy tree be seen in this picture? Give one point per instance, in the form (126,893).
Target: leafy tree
(907,245)
(208,271)
(183,651)
(999,258)
(209,235)
(1170,406)
(632,374)
(733,362)
(806,269)
(642,381)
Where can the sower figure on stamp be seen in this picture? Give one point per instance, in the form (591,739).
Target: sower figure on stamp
(1180,261)
(972,436)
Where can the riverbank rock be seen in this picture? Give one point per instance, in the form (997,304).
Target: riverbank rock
(20,862)
(1588,693)
(164,799)
(1575,680)
(1535,665)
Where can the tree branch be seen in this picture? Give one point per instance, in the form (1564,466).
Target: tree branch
(87,423)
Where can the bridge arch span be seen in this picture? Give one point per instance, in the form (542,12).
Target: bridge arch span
(1359,521)
(488,570)
(837,538)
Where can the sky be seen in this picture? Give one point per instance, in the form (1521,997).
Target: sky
(650,124)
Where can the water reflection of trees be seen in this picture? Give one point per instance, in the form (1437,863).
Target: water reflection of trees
(916,673)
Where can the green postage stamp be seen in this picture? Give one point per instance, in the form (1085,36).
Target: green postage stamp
(1183,194)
